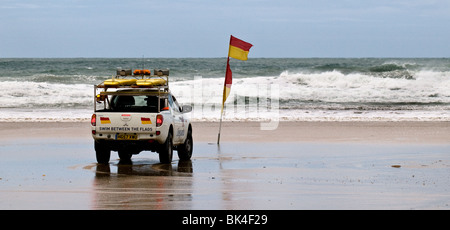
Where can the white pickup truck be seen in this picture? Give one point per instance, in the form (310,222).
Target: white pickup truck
(137,112)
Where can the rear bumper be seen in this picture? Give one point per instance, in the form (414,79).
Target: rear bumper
(144,137)
(141,137)
(130,146)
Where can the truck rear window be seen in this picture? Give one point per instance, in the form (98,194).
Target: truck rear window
(142,103)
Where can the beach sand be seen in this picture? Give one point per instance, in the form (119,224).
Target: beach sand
(299,165)
(360,132)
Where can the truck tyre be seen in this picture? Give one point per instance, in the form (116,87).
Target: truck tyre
(103,154)
(166,150)
(185,150)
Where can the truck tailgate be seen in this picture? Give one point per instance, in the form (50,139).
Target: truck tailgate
(126,123)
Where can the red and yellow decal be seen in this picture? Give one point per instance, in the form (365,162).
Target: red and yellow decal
(105,120)
(146,121)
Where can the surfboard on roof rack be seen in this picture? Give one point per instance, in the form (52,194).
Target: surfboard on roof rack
(125,78)
(151,82)
(119,82)
(120,79)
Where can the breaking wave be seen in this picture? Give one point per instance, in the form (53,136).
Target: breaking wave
(292,89)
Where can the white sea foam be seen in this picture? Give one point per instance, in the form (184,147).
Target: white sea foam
(334,87)
(326,96)
(42,95)
(291,96)
(426,87)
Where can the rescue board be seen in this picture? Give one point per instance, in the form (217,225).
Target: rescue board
(119,82)
(151,82)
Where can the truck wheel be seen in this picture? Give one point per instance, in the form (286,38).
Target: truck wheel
(103,154)
(166,150)
(185,150)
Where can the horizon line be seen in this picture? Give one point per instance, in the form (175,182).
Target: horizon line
(330,57)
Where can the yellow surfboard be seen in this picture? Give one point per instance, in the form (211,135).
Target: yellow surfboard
(119,82)
(151,82)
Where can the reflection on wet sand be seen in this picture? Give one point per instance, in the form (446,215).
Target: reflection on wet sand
(143,185)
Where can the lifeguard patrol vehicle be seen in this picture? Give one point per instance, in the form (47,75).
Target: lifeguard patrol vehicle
(136,111)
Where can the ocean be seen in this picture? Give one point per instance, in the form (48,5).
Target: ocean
(288,89)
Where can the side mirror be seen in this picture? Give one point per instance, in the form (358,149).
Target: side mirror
(186,108)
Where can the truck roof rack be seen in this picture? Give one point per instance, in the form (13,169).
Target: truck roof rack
(141,82)
(141,78)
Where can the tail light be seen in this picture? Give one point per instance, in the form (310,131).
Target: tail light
(159,120)
(93,120)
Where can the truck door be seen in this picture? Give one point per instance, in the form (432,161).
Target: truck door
(178,130)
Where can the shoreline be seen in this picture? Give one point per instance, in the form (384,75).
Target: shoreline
(417,132)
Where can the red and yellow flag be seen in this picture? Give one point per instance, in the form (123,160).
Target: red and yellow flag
(238,50)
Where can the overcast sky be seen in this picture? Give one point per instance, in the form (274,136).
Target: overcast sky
(202,28)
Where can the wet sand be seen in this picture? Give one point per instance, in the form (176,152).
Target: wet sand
(300,165)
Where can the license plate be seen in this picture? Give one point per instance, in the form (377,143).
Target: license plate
(124,136)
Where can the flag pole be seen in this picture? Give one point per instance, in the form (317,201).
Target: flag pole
(238,49)
(223,101)
(220,127)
